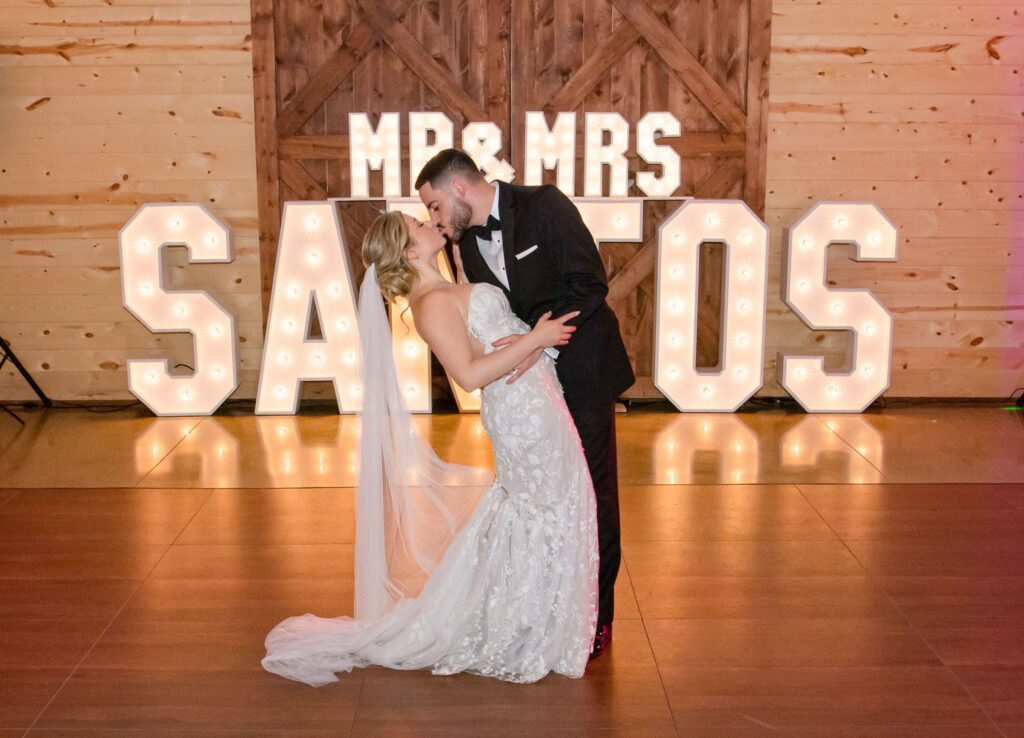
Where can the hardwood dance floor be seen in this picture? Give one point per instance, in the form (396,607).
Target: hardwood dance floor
(784,574)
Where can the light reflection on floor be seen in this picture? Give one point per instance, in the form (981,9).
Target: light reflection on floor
(61,448)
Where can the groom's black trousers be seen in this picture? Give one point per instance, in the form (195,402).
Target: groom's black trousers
(596,426)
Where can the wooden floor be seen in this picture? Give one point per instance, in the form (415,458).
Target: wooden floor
(784,574)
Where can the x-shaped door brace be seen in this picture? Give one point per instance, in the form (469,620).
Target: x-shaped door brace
(380,23)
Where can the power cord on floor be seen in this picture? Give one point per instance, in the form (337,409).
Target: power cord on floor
(1019,402)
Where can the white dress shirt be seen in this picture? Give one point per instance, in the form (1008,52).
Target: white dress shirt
(493,250)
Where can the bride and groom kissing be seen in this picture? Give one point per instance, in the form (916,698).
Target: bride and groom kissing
(515,580)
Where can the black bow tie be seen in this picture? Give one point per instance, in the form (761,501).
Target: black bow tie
(492,224)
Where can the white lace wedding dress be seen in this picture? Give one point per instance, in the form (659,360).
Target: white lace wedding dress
(515,595)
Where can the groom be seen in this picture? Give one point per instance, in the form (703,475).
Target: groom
(532,243)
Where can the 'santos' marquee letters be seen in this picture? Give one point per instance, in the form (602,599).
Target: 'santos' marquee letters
(313,273)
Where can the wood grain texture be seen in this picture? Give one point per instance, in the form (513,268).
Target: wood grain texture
(264,68)
(867,582)
(915,106)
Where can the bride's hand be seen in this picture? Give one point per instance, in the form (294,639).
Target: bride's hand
(554,332)
(525,364)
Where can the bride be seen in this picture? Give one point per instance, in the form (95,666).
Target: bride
(452,574)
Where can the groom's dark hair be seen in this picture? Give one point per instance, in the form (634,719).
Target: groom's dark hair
(447,164)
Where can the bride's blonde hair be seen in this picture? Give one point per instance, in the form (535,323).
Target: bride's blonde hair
(384,245)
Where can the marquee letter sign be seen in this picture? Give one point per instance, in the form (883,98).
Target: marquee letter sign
(378,149)
(141,242)
(312,273)
(805,290)
(740,373)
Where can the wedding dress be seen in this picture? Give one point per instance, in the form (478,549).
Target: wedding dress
(514,595)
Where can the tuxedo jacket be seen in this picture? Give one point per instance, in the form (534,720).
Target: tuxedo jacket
(552,263)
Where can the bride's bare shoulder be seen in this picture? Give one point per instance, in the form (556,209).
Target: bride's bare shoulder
(443,297)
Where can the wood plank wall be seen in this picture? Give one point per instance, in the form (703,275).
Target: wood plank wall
(104,106)
(918,106)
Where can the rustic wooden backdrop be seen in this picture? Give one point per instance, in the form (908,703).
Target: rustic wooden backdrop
(105,105)
(705,60)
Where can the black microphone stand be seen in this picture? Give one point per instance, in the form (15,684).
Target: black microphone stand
(6,354)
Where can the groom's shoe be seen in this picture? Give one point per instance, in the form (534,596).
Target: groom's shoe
(602,641)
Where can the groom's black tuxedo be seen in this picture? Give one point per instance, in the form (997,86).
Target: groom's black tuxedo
(558,269)
(552,263)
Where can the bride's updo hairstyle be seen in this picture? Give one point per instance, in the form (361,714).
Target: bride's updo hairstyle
(384,245)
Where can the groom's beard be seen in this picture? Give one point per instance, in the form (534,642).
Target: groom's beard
(462,213)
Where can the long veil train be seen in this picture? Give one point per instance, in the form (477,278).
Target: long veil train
(410,506)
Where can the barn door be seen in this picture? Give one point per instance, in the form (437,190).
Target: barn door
(316,62)
(492,60)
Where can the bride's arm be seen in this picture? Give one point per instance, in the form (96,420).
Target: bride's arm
(442,326)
